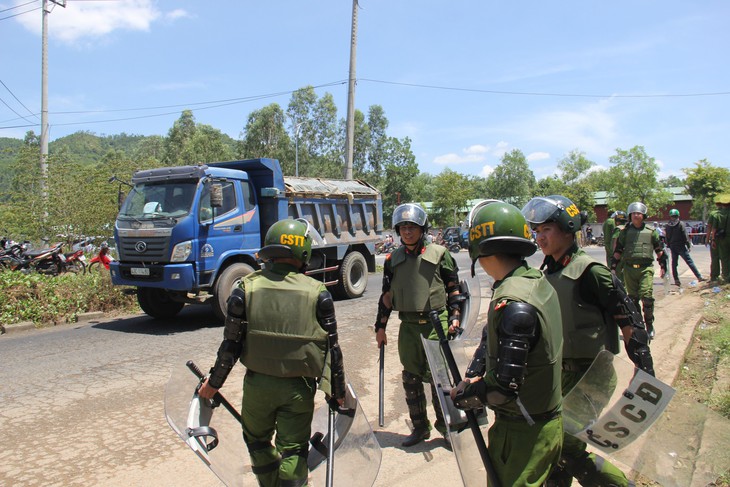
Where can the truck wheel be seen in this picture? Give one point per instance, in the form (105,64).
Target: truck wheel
(229,279)
(157,303)
(353,276)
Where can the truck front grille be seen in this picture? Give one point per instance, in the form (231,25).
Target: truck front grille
(144,249)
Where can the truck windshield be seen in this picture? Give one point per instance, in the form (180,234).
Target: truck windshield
(164,199)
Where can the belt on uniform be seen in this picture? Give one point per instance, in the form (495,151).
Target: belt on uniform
(519,418)
(421,318)
(576,365)
(638,266)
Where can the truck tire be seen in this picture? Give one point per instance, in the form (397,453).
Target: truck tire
(157,303)
(353,278)
(229,279)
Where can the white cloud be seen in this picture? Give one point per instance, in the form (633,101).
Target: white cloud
(473,153)
(486,171)
(538,156)
(82,20)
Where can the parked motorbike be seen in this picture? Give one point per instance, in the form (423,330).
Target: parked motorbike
(75,262)
(46,261)
(103,258)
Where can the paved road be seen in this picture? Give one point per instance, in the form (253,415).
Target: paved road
(83,404)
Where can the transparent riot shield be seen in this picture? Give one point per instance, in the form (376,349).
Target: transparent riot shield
(215,436)
(643,424)
(471,466)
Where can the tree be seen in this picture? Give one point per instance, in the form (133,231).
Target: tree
(634,178)
(400,169)
(450,198)
(265,136)
(574,168)
(512,180)
(188,143)
(703,183)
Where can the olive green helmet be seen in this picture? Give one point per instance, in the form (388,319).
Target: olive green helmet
(498,228)
(554,208)
(290,239)
(620,217)
(674,213)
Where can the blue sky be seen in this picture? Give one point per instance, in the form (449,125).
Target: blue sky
(465,80)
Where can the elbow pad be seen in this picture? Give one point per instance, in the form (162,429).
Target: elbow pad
(383,312)
(518,332)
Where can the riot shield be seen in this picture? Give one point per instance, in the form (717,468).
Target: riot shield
(470,308)
(644,424)
(471,466)
(216,438)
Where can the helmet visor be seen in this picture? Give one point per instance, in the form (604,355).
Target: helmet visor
(539,210)
(311,232)
(409,212)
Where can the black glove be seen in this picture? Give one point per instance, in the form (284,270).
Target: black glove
(470,395)
(638,351)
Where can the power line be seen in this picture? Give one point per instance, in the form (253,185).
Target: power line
(21,103)
(18,6)
(21,13)
(528,93)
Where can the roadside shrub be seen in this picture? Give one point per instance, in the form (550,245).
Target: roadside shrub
(57,299)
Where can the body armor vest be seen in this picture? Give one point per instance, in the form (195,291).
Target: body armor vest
(541,390)
(586,329)
(284,338)
(417,284)
(638,248)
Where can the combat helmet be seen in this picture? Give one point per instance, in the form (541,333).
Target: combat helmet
(620,217)
(499,228)
(411,213)
(636,207)
(290,238)
(554,208)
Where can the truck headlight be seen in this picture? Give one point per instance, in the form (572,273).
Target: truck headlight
(181,251)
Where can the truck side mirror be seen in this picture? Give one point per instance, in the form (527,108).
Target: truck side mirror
(216,195)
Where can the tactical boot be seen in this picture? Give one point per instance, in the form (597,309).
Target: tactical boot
(417,436)
(648,305)
(416,402)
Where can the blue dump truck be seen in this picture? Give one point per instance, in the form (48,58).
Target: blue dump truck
(188,234)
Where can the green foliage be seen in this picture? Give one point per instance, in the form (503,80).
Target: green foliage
(703,183)
(633,177)
(512,180)
(452,191)
(55,299)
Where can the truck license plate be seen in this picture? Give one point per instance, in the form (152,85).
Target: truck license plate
(140,271)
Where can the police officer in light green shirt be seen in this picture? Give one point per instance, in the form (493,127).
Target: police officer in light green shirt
(594,309)
(281,325)
(418,277)
(515,370)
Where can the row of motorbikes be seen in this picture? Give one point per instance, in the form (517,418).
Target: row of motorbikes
(52,260)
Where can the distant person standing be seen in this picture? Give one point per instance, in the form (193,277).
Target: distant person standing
(607,228)
(620,220)
(636,245)
(679,244)
(718,228)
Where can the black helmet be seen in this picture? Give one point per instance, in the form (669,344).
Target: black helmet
(412,213)
(554,208)
(620,217)
(498,228)
(290,239)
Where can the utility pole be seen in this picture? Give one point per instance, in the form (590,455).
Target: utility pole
(350,133)
(44,98)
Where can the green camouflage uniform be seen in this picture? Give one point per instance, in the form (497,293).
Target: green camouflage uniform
(608,227)
(584,288)
(637,247)
(417,285)
(524,455)
(284,354)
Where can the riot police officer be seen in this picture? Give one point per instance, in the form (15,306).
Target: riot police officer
(281,325)
(418,277)
(594,309)
(635,246)
(516,369)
